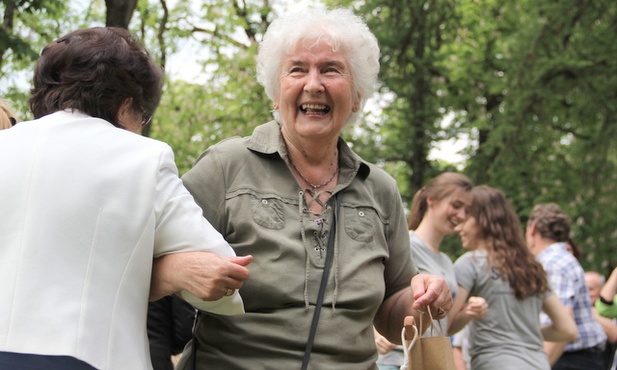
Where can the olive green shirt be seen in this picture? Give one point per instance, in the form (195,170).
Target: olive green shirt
(249,194)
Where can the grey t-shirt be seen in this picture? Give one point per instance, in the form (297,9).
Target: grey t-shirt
(509,336)
(430,262)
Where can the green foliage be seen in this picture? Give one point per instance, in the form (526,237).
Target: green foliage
(229,102)
(192,117)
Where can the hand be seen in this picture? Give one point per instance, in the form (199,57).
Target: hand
(476,307)
(432,292)
(206,275)
(383,345)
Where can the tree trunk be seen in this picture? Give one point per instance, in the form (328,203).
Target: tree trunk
(119,12)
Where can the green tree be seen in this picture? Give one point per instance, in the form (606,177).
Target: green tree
(546,122)
(229,101)
(414,74)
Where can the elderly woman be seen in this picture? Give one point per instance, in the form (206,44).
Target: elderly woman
(87,204)
(327,229)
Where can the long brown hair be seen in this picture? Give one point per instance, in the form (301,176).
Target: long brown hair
(438,188)
(500,227)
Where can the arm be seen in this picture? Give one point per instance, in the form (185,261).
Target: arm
(405,298)
(564,316)
(457,319)
(464,310)
(206,275)
(563,327)
(383,345)
(605,304)
(459,344)
(426,292)
(554,350)
(608,291)
(608,325)
(459,359)
(189,253)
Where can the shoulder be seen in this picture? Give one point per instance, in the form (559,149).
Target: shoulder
(264,140)
(379,175)
(470,260)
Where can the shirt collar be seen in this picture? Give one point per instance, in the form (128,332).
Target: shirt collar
(267,139)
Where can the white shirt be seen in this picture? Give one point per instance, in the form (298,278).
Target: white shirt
(85,207)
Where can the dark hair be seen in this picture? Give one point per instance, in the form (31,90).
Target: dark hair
(94,70)
(500,227)
(551,222)
(437,188)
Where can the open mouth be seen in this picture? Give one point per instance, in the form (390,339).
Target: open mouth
(314,109)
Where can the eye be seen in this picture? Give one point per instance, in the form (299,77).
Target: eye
(331,70)
(296,70)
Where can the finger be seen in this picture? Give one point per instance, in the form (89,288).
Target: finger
(236,271)
(241,260)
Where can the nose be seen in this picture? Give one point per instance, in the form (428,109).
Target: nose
(461,214)
(313,82)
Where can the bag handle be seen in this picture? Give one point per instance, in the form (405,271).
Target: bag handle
(435,331)
(409,334)
(409,329)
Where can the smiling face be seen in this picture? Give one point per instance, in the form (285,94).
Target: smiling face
(469,231)
(316,92)
(449,211)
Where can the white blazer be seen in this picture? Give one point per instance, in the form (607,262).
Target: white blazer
(84,208)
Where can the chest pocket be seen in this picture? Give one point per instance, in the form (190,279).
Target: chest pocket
(360,223)
(268,212)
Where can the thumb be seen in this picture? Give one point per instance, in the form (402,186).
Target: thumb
(241,260)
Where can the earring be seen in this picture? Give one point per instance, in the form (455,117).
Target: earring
(276,106)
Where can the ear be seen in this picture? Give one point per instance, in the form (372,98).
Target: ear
(356,104)
(123,112)
(531,229)
(429,201)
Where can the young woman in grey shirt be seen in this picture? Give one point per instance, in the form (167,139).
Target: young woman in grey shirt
(500,268)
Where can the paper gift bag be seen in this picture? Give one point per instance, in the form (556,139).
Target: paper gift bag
(425,353)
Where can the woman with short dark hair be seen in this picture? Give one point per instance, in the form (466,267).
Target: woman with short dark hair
(94,215)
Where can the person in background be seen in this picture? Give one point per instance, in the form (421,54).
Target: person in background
(95,220)
(170,328)
(8,118)
(548,229)
(309,209)
(436,209)
(595,281)
(499,267)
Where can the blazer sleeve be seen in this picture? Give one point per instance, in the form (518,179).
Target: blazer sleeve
(181,227)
